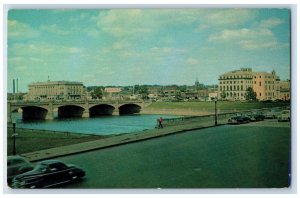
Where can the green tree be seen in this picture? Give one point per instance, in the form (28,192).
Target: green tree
(143,91)
(223,95)
(97,93)
(250,94)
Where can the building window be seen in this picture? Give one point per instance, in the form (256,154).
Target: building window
(260,84)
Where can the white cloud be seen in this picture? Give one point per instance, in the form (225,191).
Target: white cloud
(253,44)
(20,30)
(55,29)
(74,50)
(225,17)
(270,23)
(41,49)
(256,38)
(192,61)
(237,34)
(130,22)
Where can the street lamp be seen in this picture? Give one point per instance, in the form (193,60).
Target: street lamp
(216,119)
(14,121)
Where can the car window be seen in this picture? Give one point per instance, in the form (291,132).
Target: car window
(41,168)
(18,161)
(57,166)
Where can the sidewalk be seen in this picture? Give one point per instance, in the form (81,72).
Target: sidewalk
(119,140)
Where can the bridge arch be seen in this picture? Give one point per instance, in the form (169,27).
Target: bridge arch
(101,109)
(130,108)
(70,111)
(33,113)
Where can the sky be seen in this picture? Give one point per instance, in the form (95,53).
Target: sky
(144,46)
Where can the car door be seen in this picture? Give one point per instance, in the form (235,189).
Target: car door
(57,173)
(13,166)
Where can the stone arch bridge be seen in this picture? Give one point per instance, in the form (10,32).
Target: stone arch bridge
(85,109)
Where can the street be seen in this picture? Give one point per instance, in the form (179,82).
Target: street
(254,155)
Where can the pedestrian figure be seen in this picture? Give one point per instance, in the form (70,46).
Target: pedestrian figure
(160,120)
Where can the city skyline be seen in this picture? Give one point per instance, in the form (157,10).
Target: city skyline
(145,46)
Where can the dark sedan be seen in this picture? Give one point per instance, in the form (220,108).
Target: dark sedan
(47,174)
(256,117)
(238,120)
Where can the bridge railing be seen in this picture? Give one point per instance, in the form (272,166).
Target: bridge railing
(76,101)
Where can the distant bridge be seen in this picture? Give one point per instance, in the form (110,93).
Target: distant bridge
(65,109)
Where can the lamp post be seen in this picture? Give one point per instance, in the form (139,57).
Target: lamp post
(14,121)
(216,119)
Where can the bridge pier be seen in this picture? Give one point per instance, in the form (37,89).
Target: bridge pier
(49,115)
(116,111)
(86,114)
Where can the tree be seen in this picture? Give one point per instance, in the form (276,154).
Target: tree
(97,93)
(223,95)
(250,94)
(142,90)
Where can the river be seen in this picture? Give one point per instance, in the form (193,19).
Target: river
(105,125)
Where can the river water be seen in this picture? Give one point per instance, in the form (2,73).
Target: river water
(105,125)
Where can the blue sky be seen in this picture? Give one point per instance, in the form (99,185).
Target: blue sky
(145,46)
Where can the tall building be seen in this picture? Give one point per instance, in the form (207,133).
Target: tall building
(233,85)
(285,87)
(266,85)
(56,90)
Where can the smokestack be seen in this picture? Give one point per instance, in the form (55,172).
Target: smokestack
(13,85)
(17,86)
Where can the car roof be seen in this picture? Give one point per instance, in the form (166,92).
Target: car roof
(49,162)
(12,157)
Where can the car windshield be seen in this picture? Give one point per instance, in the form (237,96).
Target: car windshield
(40,167)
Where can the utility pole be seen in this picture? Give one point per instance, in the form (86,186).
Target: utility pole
(216,121)
(14,121)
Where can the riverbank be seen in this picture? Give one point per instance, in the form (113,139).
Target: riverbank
(30,140)
(201,108)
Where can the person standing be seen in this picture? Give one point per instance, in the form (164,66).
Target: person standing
(160,120)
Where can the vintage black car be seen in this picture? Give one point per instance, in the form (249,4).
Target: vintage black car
(256,117)
(17,165)
(47,174)
(238,120)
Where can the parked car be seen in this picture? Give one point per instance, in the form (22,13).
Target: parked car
(17,165)
(272,114)
(259,117)
(47,174)
(238,120)
(284,116)
(256,117)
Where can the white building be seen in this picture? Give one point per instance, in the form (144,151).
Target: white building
(56,90)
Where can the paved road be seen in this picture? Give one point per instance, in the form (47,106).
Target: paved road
(225,156)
